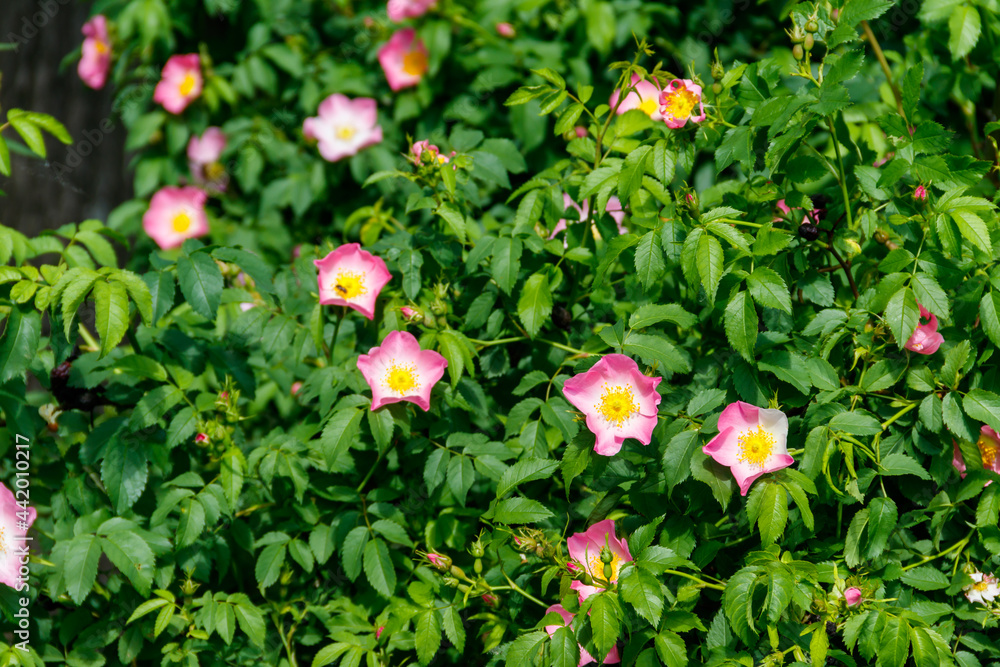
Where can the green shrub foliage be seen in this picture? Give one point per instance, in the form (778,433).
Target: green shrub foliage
(801,229)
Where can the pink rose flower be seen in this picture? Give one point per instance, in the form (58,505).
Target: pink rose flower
(585,658)
(784,209)
(205,150)
(15,519)
(925,338)
(618,401)
(677,103)
(352,277)
(585,548)
(96,60)
(505,29)
(175,215)
(403,59)
(613,208)
(853,596)
(180,83)
(645,98)
(420,147)
(399,370)
(343,126)
(920,193)
(989,451)
(400,10)
(751,442)
(296,388)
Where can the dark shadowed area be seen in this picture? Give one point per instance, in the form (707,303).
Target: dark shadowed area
(86,179)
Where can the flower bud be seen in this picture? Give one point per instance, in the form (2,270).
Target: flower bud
(296,387)
(505,30)
(880,237)
(853,596)
(378,633)
(920,193)
(440,561)
(717,88)
(718,71)
(798,52)
(606,555)
(491,600)
(201,438)
(477,549)
(811,25)
(808,42)
(450,582)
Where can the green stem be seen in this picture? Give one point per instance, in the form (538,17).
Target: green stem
(899,414)
(840,171)
(524,592)
(703,583)
(926,559)
(375,465)
(336,331)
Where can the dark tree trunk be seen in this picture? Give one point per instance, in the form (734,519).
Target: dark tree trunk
(86,179)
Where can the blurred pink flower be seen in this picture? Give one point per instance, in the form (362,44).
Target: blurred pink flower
(505,30)
(785,210)
(180,83)
(399,370)
(585,548)
(403,59)
(581,131)
(645,98)
(343,126)
(352,277)
(613,208)
(203,158)
(175,215)
(852,596)
(882,160)
(920,193)
(751,442)
(296,388)
(15,520)
(585,658)
(400,10)
(925,338)
(378,633)
(618,401)
(677,103)
(96,59)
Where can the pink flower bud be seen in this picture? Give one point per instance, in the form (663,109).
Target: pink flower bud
(296,386)
(223,395)
(853,596)
(581,131)
(378,633)
(505,29)
(490,599)
(201,437)
(920,193)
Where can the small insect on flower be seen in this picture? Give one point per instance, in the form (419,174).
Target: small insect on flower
(352,277)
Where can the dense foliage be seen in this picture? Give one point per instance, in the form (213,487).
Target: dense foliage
(799,217)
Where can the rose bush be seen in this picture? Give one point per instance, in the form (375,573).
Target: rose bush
(447,333)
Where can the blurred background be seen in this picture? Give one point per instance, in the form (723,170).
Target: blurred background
(75,182)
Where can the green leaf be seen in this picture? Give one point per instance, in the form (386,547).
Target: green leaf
(454,628)
(269,564)
(615,248)
(378,567)
(649,264)
(925,578)
(147,607)
(605,623)
(983,406)
(251,620)
(855,423)
(506,262)
(4,157)
(132,556)
(973,229)
(80,566)
(111,304)
(671,649)
(20,342)
(99,247)
(964,27)
(989,315)
(201,283)
(339,433)
(461,475)
(902,315)
(664,160)
(901,464)
(656,349)
(894,643)
(535,304)
(852,545)
(882,516)
(677,457)
(154,405)
(525,649)
(651,314)
(630,178)
(769,289)
(642,590)
(252,265)
(736,601)
(564,648)
(929,293)
(353,551)
(454,220)
(709,259)
(773,513)
(988,511)
(232,467)
(520,510)
(428,635)
(525,470)
(741,325)
(718,477)
(192,522)
(124,473)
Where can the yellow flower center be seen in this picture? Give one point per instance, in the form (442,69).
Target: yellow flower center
(989,450)
(349,284)
(3,542)
(345,132)
(415,63)
(101,46)
(681,102)
(649,106)
(181,222)
(442,158)
(617,404)
(981,586)
(187,85)
(755,446)
(597,566)
(401,378)
(214,171)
